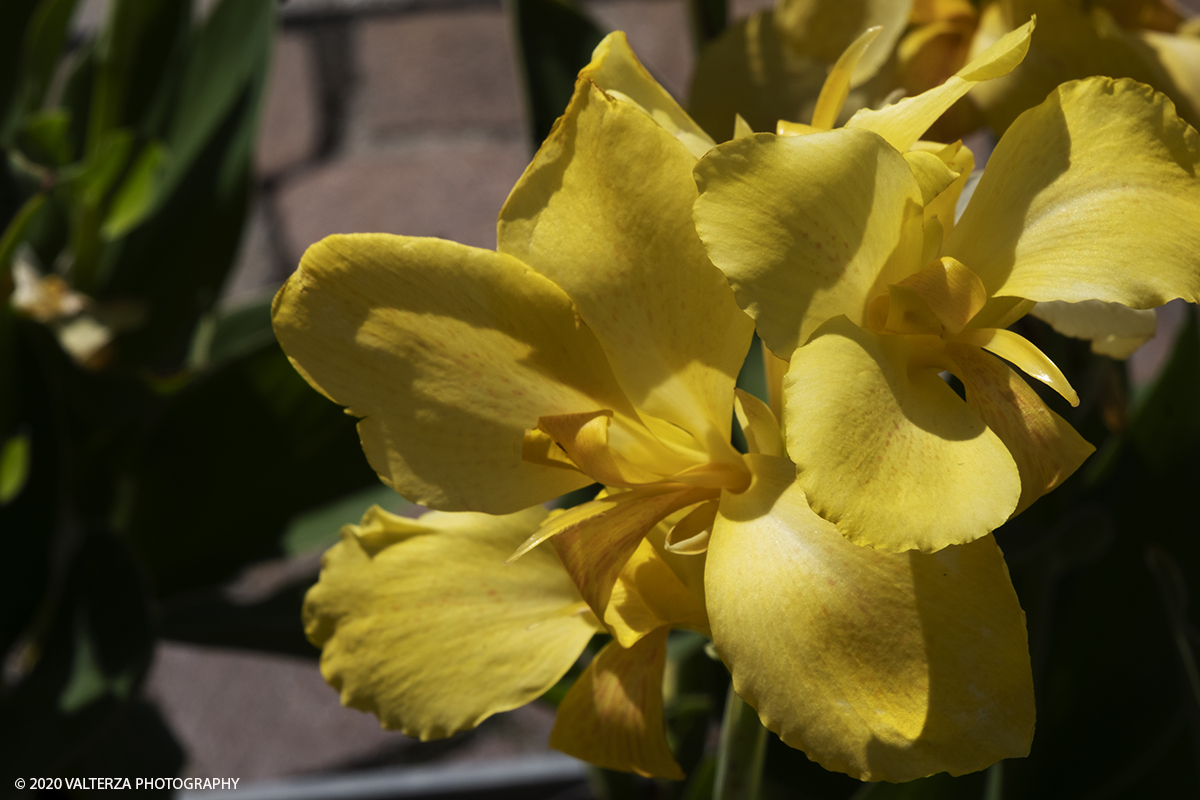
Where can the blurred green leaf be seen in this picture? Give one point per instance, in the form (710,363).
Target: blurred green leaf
(135,198)
(235,456)
(132,55)
(45,137)
(14,19)
(228,61)
(554,40)
(14,467)
(15,233)
(231,331)
(319,528)
(42,47)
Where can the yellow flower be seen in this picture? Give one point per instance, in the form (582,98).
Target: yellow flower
(598,343)
(829,245)
(1145,40)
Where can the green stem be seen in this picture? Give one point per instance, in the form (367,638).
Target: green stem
(741,753)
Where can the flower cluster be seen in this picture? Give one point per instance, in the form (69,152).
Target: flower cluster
(843,566)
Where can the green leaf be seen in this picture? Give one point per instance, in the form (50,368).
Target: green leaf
(42,46)
(132,56)
(14,467)
(14,19)
(554,40)
(233,459)
(135,197)
(45,137)
(16,232)
(230,58)
(319,528)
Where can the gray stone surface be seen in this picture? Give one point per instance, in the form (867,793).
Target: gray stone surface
(437,71)
(450,189)
(289,128)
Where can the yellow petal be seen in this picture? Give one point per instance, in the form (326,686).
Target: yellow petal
(886,667)
(612,716)
(824,31)
(1020,351)
(1072,42)
(837,83)
(749,70)
(953,292)
(933,175)
(421,623)
(605,211)
(902,123)
(616,70)
(1046,448)
(886,450)
(689,536)
(808,227)
(449,354)
(595,551)
(648,596)
(1092,195)
(961,160)
(1113,329)
(759,425)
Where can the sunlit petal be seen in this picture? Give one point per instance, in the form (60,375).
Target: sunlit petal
(1113,329)
(1092,195)
(796,258)
(1020,351)
(887,667)
(421,623)
(605,211)
(449,354)
(903,122)
(886,450)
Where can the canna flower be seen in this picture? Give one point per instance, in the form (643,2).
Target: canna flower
(599,344)
(1147,40)
(828,242)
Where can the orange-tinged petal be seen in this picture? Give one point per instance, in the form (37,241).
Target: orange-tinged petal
(1046,448)
(648,595)
(595,551)
(449,354)
(886,667)
(612,716)
(886,450)
(422,624)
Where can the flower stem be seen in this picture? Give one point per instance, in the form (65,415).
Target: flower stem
(741,752)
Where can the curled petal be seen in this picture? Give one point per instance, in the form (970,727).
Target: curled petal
(648,595)
(1113,329)
(1093,195)
(1044,445)
(612,716)
(1020,351)
(449,354)
(422,624)
(883,666)
(886,450)
(616,70)
(903,122)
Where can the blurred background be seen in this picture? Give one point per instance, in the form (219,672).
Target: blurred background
(167,483)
